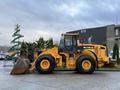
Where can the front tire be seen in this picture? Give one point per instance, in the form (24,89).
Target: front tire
(85,64)
(45,64)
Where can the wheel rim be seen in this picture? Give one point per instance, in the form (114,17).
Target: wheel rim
(45,64)
(86,64)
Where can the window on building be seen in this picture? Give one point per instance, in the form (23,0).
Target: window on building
(116,32)
(83,31)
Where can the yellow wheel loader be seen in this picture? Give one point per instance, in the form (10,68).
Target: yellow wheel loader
(70,54)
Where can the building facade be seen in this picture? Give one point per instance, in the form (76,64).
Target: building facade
(105,35)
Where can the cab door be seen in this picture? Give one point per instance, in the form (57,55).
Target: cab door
(70,44)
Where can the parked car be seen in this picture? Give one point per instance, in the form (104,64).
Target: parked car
(2,55)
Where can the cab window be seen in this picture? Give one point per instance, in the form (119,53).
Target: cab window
(68,40)
(61,45)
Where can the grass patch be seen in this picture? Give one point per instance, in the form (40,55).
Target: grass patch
(116,68)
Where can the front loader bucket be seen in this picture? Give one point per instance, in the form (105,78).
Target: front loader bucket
(21,66)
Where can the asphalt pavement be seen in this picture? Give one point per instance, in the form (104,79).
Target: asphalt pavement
(59,80)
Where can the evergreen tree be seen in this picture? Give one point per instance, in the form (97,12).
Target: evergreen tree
(31,48)
(40,43)
(28,49)
(49,43)
(24,49)
(16,40)
(116,52)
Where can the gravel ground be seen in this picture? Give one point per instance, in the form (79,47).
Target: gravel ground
(59,80)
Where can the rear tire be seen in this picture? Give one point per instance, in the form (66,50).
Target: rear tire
(41,69)
(82,67)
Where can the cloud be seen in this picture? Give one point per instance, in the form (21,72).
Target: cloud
(53,17)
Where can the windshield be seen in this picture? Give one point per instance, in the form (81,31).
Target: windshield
(61,45)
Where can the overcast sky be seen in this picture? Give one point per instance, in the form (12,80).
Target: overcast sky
(50,18)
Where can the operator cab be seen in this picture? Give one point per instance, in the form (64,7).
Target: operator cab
(69,42)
